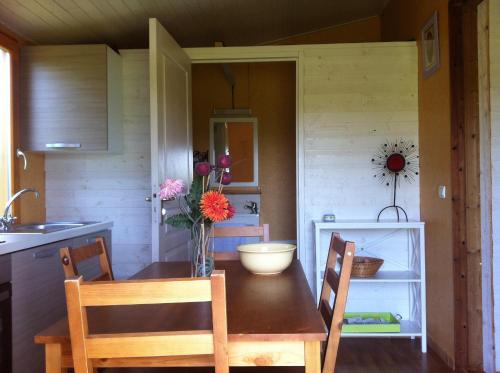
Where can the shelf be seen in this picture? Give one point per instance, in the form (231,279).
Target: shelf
(240,190)
(387,276)
(390,276)
(408,329)
(367,224)
(399,287)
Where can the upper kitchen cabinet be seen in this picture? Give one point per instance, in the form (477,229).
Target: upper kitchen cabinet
(71,98)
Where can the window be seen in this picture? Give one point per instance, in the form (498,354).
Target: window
(5,124)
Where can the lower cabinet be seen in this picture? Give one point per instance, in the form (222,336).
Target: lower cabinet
(38,298)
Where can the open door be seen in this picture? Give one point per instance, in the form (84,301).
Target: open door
(171,139)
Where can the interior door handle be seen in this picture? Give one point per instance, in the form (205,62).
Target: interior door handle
(163,210)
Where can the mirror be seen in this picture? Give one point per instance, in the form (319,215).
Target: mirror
(236,137)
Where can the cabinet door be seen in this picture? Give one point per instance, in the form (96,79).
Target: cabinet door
(64,97)
(38,300)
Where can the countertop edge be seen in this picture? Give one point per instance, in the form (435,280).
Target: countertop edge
(27,241)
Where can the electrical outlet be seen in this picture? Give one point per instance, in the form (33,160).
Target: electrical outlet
(442,191)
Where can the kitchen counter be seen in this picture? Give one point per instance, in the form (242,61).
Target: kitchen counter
(22,241)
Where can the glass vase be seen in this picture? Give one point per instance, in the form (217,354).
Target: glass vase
(202,253)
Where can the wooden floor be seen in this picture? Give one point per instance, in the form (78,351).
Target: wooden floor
(356,355)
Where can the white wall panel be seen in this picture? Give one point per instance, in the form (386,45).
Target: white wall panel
(354,100)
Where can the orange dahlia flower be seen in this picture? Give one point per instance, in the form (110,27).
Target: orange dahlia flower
(214,206)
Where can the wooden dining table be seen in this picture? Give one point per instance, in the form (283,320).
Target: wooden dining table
(272,321)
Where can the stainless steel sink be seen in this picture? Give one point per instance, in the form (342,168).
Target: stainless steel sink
(42,228)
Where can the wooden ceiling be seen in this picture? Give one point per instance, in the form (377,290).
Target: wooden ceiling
(193,23)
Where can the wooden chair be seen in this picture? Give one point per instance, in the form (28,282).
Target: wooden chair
(339,284)
(260,231)
(71,257)
(86,346)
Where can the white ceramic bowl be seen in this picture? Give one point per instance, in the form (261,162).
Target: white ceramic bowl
(266,258)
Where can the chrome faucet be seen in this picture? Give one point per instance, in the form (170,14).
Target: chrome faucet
(252,206)
(7,219)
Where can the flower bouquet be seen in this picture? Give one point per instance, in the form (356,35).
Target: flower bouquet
(200,208)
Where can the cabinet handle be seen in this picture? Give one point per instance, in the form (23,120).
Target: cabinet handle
(45,254)
(63,145)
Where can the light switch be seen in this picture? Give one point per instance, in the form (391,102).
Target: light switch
(442,191)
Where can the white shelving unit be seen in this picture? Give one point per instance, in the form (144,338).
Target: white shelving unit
(399,286)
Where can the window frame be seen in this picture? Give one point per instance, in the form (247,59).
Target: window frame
(13,46)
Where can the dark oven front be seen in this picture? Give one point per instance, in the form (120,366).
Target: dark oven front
(5,315)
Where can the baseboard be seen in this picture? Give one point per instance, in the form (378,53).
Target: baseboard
(448,360)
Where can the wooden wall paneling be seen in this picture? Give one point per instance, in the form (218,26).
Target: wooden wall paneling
(346,117)
(486,185)
(359,31)
(274,105)
(466,185)
(458,188)
(402,20)
(472,187)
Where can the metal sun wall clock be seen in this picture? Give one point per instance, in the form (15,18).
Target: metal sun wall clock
(395,160)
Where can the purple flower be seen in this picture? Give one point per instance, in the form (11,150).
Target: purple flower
(224,161)
(171,188)
(203,168)
(226,178)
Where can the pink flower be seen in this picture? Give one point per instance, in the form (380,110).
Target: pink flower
(203,168)
(226,178)
(224,161)
(171,188)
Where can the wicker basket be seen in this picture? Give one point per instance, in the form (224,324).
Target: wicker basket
(365,266)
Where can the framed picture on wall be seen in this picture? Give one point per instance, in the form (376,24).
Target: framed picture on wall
(430,46)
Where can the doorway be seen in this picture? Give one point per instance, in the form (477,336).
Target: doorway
(268,90)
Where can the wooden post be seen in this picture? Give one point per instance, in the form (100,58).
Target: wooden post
(312,355)
(53,359)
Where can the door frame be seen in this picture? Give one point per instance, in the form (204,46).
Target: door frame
(472,264)
(13,46)
(279,53)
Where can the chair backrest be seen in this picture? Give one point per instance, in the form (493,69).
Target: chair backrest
(71,257)
(339,284)
(259,231)
(86,346)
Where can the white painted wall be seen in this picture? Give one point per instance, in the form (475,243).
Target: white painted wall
(355,97)
(494,27)
(91,186)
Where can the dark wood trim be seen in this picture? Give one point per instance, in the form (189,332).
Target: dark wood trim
(465,184)
(457,183)
(440,352)
(13,46)
(241,190)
